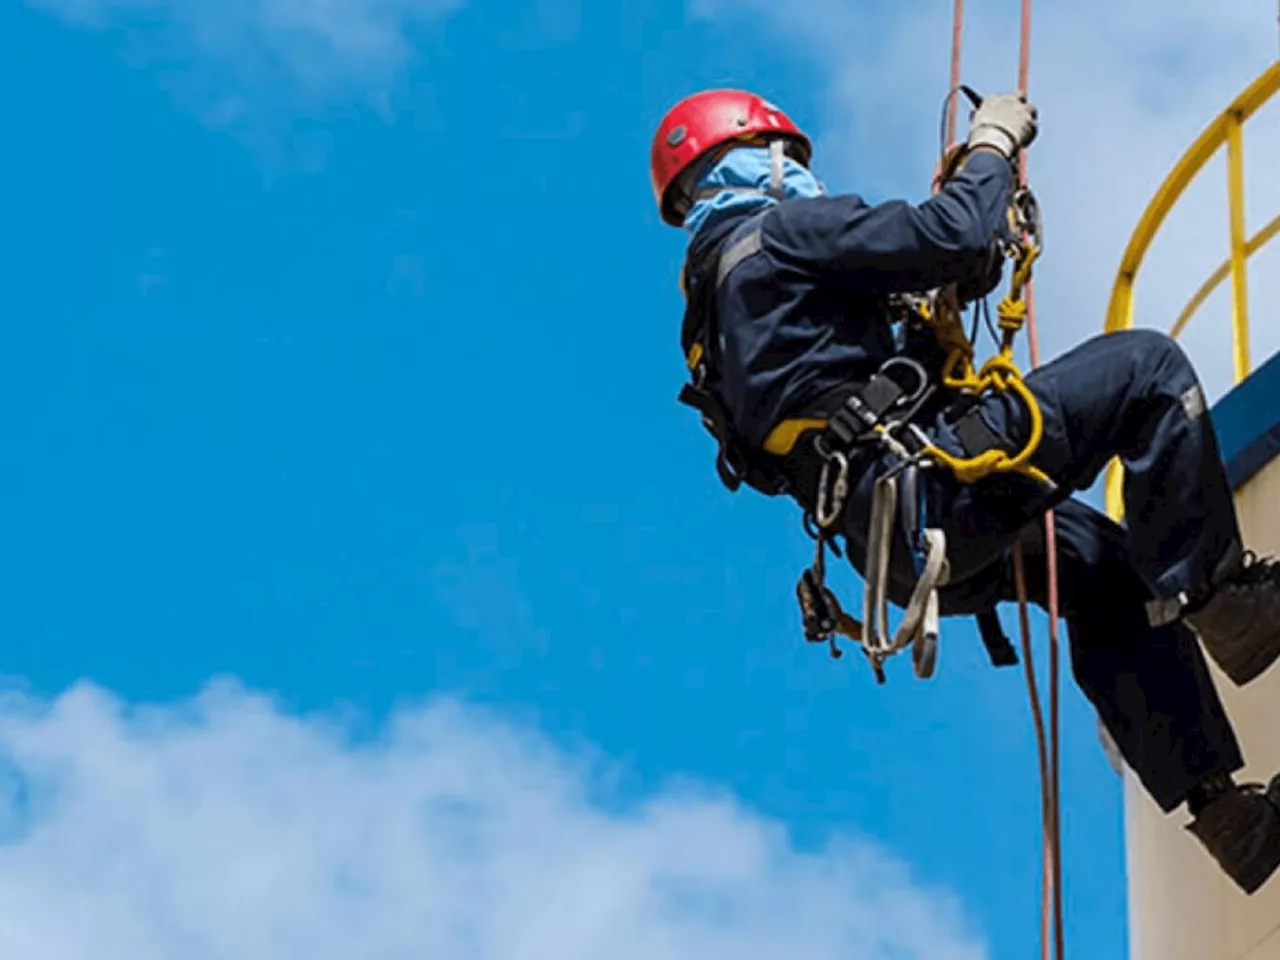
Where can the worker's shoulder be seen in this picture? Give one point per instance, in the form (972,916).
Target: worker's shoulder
(822,205)
(803,215)
(802,229)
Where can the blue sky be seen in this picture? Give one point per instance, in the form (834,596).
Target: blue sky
(341,361)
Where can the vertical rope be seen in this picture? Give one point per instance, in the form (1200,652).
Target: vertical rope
(1050,766)
(953,105)
(1051,928)
(1047,885)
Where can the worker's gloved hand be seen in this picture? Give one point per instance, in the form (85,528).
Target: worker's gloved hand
(1005,122)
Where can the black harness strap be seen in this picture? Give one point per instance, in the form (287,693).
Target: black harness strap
(999,648)
(976,437)
(733,465)
(706,266)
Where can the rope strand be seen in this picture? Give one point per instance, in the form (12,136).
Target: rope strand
(1052,784)
(1051,930)
(957,28)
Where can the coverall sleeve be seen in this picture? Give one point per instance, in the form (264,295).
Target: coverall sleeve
(898,247)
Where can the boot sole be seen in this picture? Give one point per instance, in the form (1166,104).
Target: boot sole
(1251,884)
(1246,665)
(1243,837)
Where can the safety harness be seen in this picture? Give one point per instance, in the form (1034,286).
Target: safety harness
(858,420)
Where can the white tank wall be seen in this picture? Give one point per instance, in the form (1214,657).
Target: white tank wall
(1181,906)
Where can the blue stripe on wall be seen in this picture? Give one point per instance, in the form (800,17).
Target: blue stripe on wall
(1247,420)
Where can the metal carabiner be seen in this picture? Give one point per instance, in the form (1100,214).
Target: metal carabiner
(917,370)
(1029,215)
(831,504)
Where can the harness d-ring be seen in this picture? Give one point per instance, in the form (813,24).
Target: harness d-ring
(918,371)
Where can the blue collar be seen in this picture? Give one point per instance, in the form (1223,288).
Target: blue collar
(746,179)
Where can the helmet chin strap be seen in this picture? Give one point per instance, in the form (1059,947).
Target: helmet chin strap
(776,156)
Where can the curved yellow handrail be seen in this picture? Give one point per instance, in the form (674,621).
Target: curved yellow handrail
(1226,129)
(1251,246)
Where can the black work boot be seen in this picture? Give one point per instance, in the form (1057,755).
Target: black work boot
(1240,827)
(1239,621)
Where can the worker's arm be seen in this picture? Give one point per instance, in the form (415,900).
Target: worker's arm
(897,246)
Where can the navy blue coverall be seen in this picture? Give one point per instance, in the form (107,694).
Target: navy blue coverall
(805,313)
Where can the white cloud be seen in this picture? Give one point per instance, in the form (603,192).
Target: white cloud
(234,59)
(1123,89)
(225,828)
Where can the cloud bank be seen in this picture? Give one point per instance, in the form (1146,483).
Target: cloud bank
(225,828)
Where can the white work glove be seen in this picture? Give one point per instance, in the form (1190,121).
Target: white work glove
(1005,122)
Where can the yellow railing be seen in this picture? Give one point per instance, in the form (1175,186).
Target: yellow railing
(1226,128)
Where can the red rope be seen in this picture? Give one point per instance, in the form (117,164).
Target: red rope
(1043,754)
(1051,929)
(957,27)
(1051,783)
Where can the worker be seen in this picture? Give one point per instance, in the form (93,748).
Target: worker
(789,293)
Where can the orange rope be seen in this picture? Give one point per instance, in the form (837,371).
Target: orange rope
(1046,777)
(953,104)
(1051,929)
(1051,783)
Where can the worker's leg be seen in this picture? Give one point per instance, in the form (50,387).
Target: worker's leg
(1135,395)
(1150,686)
(1132,395)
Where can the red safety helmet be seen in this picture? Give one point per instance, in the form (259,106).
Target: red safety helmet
(699,124)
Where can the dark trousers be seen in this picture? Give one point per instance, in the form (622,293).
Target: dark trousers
(1134,395)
